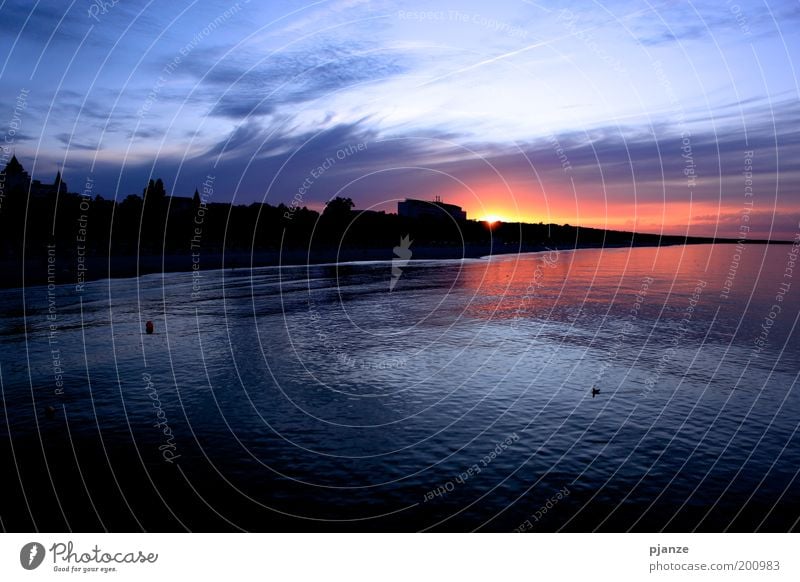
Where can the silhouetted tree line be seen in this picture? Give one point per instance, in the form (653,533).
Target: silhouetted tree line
(86,225)
(156,223)
(150,223)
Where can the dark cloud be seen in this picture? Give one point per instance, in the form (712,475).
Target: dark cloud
(674,34)
(76,143)
(41,20)
(18,137)
(238,85)
(55,21)
(146,133)
(246,139)
(677,22)
(241,105)
(99,113)
(623,165)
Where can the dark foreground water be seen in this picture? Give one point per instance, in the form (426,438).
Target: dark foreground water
(315,399)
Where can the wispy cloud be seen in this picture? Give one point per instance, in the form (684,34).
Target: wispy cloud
(240,86)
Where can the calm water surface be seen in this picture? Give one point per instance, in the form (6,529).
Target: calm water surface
(312,398)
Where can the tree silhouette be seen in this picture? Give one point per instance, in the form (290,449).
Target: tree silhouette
(154,190)
(154,216)
(338,207)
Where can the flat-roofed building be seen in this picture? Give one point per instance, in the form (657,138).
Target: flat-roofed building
(430,209)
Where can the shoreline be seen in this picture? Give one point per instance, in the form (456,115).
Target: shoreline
(98,268)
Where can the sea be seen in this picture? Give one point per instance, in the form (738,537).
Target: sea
(610,389)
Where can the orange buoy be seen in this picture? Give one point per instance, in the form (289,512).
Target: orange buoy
(148,327)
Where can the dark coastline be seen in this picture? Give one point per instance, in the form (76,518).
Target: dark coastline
(51,236)
(35,271)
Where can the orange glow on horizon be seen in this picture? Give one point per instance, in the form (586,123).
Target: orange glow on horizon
(677,217)
(493,219)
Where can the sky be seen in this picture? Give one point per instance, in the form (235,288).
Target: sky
(673,117)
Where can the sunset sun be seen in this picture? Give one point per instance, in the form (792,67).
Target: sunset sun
(493,218)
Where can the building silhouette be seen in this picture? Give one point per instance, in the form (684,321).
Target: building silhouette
(430,209)
(15,179)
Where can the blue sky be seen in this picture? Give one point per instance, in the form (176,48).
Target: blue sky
(573,112)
